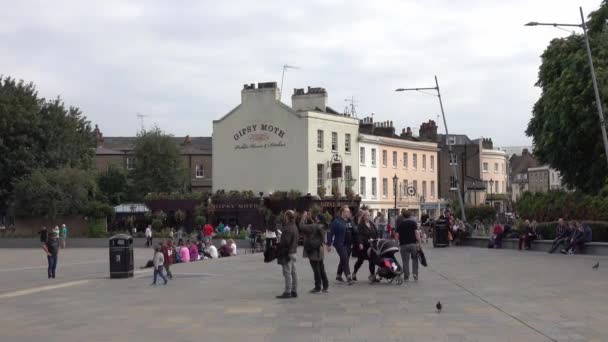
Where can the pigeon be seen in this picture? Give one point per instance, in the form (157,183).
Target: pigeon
(596,266)
(438,306)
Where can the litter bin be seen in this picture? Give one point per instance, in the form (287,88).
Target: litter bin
(121,256)
(440,233)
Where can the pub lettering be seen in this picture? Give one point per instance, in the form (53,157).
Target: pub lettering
(258,128)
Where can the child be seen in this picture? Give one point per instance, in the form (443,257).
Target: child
(159,261)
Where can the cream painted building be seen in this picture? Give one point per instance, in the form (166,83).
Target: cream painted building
(265,146)
(494,173)
(413,164)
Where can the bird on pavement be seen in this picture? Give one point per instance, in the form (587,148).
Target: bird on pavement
(438,306)
(596,266)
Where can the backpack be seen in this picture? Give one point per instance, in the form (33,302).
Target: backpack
(313,244)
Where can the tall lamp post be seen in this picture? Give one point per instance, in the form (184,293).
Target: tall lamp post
(598,100)
(447,135)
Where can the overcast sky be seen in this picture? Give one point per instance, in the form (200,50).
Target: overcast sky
(183,63)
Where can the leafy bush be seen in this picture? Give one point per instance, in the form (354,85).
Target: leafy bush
(175,196)
(157,224)
(161,216)
(552,205)
(483,213)
(321,192)
(179,216)
(97,228)
(200,220)
(98,210)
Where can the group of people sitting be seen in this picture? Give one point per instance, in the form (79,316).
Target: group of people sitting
(571,236)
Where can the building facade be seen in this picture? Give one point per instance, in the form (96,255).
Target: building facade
(543,179)
(195,155)
(397,172)
(494,174)
(264,145)
(518,173)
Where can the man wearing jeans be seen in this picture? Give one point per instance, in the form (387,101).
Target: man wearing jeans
(409,243)
(338,238)
(288,247)
(51,247)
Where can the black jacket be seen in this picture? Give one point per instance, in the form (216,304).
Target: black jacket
(365,233)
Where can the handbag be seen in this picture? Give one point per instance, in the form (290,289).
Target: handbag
(422,258)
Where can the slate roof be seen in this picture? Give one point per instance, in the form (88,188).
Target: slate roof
(120,145)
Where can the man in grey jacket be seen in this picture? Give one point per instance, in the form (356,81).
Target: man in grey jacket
(288,247)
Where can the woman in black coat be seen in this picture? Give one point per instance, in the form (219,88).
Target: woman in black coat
(366,230)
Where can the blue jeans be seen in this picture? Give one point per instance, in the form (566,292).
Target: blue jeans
(159,272)
(52,259)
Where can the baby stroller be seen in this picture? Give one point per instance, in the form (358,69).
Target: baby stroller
(382,254)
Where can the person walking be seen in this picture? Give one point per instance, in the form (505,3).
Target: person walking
(64,235)
(169,256)
(148,234)
(288,247)
(314,236)
(159,261)
(51,247)
(381,224)
(409,243)
(366,230)
(340,236)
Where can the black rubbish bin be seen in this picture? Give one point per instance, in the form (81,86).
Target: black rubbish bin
(440,233)
(121,256)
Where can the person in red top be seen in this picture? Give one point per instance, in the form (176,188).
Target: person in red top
(498,235)
(207,232)
(169,254)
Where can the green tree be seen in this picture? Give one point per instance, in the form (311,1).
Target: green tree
(113,185)
(56,192)
(564,124)
(158,165)
(38,134)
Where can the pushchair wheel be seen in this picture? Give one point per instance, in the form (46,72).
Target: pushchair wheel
(399,280)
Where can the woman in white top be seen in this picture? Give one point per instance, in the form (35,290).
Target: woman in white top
(232,247)
(271,234)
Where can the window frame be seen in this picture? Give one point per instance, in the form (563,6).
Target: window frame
(320,179)
(362,155)
(374,159)
(131,165)
(384,158)
(197,168)
(374,187)
(405,161)
(384,187)
(347,145)
(362,187)
(334,142)
(320,140)
(432,163)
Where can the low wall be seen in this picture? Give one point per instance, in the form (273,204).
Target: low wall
(592,248)
(77,225)
(90,242)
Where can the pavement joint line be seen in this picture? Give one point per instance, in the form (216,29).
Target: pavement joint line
(492,305)
(44,266)
(42,289)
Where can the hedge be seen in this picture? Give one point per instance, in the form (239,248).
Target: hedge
(552,205)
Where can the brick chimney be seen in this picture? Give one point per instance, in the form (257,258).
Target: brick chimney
(428,131)
(315,98)
(98,136)
(487,144)
(385,129)
(266,91)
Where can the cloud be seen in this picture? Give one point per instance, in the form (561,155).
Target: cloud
(183,63)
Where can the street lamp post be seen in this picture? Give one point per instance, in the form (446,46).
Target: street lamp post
(598,100)
(395,179)
(447,135)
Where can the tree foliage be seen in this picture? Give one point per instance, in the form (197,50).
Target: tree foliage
(113,185)
(158,164)
(52,193)
(550,206)
(565,123)
(38,134)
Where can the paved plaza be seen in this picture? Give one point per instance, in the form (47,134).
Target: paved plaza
(487,295)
